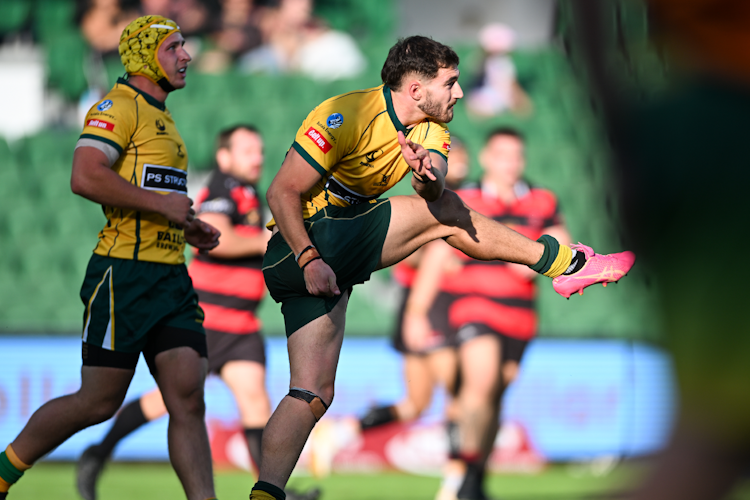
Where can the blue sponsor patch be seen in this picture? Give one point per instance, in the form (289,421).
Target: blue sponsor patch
(335,120)
(105,105)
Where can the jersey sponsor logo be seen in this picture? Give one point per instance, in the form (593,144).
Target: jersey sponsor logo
(327,131)
(180,152)
(318,139)
(100,124)
(104,105)
(335,120)
(446,146)
(160,178)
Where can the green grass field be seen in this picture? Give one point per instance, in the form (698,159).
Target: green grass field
(158,482)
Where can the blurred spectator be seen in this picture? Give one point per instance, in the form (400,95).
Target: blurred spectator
(237,32)
(295,41)
(156,7)
(497,89)
(102,22)
(192,16)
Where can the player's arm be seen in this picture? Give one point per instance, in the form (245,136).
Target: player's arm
(295,177)
(234,245)
(93,179)
(428,169)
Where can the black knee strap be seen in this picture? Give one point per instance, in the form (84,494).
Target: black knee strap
(317,405)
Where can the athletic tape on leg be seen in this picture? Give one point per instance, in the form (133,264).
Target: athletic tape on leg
(317,406)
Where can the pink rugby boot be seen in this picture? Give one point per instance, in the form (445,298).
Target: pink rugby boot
(597,269)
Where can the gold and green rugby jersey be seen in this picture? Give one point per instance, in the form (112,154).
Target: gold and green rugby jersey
(141,140)
(351,139)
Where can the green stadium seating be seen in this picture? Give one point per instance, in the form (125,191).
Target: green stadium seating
(66,53)
(47,233)
(14,15)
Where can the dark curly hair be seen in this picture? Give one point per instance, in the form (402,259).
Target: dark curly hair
(416,54)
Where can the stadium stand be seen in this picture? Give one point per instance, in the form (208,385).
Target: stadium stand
(46,231)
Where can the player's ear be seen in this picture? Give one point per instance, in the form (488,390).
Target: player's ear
(415,89)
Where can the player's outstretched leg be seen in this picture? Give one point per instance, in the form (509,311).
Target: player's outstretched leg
(131,417)
(415,222)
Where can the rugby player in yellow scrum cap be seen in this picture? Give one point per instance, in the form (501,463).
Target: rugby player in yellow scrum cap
(137,294)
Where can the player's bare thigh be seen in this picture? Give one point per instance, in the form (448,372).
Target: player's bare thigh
(415,222)
(314,351)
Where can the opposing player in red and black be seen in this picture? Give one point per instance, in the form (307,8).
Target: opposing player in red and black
(429,358)
(493,313)
(230,286)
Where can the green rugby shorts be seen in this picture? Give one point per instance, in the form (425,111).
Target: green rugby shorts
(129,303)
(350,240)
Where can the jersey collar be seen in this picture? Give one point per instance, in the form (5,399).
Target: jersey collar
(149,99)
(392,112)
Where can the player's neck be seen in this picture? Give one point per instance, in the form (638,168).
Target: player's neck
(406,109)
(148,87)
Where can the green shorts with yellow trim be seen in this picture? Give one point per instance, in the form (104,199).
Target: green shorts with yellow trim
(128,300)
(350,240)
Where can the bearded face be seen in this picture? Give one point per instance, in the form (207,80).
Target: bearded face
(440,111)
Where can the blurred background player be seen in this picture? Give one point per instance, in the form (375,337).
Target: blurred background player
(429,359)
(137,292)
(230,287)
(493,310)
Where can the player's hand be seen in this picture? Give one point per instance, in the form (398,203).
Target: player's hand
(320,279)
(417,331)
(417,157)
(202,235)
(177,208)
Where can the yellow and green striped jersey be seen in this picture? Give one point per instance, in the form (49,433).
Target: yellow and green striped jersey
(351,140)
(152,156)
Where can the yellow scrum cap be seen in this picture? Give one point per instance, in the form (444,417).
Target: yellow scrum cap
(139,44)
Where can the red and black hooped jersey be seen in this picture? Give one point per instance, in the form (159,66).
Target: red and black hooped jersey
(490,292)
(230,290)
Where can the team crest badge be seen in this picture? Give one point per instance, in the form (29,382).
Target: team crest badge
(105,105)
(335,120)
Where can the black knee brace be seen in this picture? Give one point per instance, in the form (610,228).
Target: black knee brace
(317,405)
